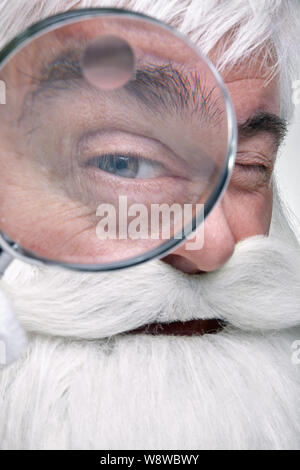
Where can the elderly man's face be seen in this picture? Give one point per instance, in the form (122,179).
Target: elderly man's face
(245,209)
(195,390)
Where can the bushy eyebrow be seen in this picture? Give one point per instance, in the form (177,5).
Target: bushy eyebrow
(161,87)
(184,91)
(264,122)
(157,86)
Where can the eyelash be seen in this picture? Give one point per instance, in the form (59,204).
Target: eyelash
(254,167)
(250,176)
(131,159)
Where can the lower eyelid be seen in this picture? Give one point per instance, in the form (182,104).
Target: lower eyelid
(130,182)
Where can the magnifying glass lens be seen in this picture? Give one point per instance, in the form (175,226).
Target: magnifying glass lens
(114,138)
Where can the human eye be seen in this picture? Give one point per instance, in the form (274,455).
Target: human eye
(113,162)
(251,171)
(128,166)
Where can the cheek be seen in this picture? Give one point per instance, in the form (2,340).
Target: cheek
(248,213)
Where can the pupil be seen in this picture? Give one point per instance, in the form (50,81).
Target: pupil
(121,163)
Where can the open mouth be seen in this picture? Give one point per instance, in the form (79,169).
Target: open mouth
(178,328)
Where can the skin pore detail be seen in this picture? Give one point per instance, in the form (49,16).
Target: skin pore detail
(62,131)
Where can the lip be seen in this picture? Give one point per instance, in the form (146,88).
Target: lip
(178,328)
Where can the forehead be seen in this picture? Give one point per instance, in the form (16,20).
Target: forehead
(254,84)
(250,95)
(151,37)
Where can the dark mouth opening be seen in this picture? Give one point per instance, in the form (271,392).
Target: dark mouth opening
(178,328)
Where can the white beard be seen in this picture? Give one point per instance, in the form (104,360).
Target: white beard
(231,390)
(84,385)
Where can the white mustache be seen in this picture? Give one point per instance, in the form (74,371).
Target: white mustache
(257,289)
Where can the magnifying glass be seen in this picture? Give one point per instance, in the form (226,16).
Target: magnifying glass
(117,138)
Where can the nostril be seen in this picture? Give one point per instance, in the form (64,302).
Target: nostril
(183,264)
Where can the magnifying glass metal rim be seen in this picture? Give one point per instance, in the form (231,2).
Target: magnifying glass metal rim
(12,249)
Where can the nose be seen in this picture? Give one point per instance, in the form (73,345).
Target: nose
(218,246)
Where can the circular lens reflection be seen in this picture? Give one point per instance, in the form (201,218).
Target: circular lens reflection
(114,139)
(108,62)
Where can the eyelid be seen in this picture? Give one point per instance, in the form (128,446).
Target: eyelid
(252,171)
(113,141)
(254,159)
(92,161)
(123,154)
(257,168)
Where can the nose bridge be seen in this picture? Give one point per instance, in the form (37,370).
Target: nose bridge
(217,248)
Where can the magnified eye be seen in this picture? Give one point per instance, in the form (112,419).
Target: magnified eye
(128,166)
(124,154)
